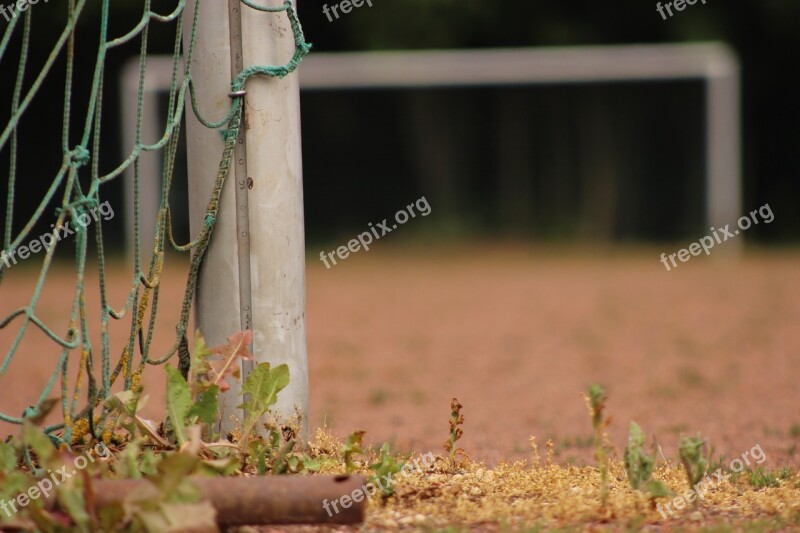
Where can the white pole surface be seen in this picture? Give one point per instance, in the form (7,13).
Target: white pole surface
(272,124)
(723,149)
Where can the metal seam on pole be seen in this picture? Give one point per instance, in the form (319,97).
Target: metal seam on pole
(242,183)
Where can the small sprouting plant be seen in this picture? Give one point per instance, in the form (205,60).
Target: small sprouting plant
(596,402)
(261,390)
(196,402)
(387,467)
(638,465)
(456,432)
(550,447)
(760,479)
(193,409)
(716,464)
(351,447)
(693,458)
(536,461)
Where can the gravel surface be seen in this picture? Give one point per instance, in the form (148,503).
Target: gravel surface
(517,334)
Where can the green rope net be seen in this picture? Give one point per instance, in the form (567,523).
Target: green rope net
(78,189)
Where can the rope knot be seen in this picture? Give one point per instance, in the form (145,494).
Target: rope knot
(79,212)
(209,221)
(79,157)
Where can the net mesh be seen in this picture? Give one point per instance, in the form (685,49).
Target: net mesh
(77,191)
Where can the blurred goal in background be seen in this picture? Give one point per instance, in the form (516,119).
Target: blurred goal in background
(533,163)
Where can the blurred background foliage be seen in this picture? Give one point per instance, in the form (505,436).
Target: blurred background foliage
(621,162)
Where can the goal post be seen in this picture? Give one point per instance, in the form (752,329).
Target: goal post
(263,191)
(712,63)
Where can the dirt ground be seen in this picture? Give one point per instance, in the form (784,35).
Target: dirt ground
(516,333)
